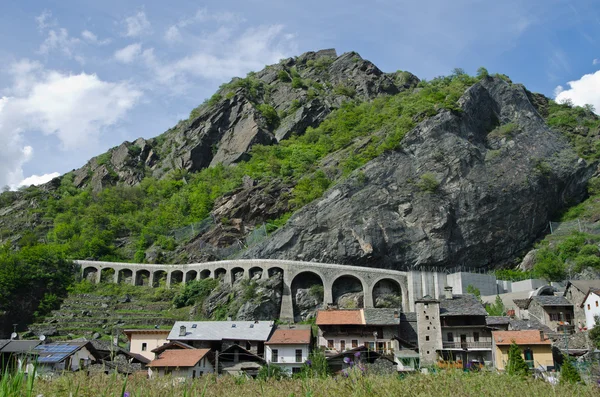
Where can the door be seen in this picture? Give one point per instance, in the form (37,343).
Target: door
(463,341)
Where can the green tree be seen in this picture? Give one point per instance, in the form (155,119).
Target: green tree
(497,308)
(568,372)
(516,364)
(482,72)
(471,289)
(594,333)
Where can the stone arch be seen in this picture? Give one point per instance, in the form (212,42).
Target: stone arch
(274,270)
(125,276)
(191,275)
(255,272)
(90,274)
(142,277)
(159,276)
(220,272)
(307,289)
(348,292)
(387,292)
(235,274)
(107,275)
(205,274)
(176,277)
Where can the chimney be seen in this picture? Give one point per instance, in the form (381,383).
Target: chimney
(182,330)
(541,335)
(448,292)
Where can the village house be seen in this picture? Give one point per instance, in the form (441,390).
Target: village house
(363,357)
(289,347)
(591,307)
(535,347)
(555,312)
(143,341)
(219,335)
(65,356)
(235,360)
(182,363)
(576,292)
(14,354)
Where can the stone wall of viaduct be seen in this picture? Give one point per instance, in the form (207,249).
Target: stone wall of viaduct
(412,284)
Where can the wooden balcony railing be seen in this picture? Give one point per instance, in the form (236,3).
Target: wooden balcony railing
(466,345)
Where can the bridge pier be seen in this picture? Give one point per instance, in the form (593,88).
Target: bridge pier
(99,276)
(286,311)
(327,293)
(116,277)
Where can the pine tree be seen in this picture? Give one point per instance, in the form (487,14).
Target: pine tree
(516,364)
(568,372)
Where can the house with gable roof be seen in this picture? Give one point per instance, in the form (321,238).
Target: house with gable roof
(182,363)
(591,307)
(576,292)
(535,347)
(289,347)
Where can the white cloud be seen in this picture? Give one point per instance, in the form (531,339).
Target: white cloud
(596,61)
(91,38)
(44,20)
(129,53)
(172,34)
(584,91)
(137,25)
(75,108)
(38,179)
(59,40)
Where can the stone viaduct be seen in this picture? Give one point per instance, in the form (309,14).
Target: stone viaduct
(411,285)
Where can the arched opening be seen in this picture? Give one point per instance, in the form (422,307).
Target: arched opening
(191,276)
(142,278)
(125,276)
(204,274)
(255,273)
(348,292)
(89,274)
(387,293)
(237,274)
(274,270)
(220,273)
(159,279)
(107,275)
(307,295)
(176,277)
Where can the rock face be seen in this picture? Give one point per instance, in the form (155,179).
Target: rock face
(476,186)
(306,304)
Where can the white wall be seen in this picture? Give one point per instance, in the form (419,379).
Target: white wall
(286,355)
(593,301)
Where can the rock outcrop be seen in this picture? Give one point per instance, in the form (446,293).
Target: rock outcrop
(473,187)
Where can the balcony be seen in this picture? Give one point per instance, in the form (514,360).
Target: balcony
(466,345)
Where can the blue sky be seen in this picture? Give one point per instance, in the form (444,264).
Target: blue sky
(78,77)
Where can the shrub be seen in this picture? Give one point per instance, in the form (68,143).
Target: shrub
(195,292)
(283,76)
(344,90)
(482,72)
(428,183)
(270,115)
(568,372)
(317,291)
(297,82)
(516,365)
(104,158)
(504,131)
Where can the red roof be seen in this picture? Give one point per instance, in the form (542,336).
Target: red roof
(340,317)
(179,358)
(529,337)
(289,337)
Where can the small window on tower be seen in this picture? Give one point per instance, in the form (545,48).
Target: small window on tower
(427,337)
(144,347)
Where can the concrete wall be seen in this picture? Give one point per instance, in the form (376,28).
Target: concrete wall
(486,283)
(528,285)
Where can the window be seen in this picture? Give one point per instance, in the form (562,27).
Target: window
(330,343)
(296,370)
(274,355)
(475,336)
(342,345)
(427,337)
(596,303)
(354,343)
(589,306)
(450,337)
(554,317)
(426,317)
(428,328)
(193,373)
(248,345)
(194,326)
(298,355)
(144,347)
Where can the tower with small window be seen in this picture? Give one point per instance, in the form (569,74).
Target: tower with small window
(429,329)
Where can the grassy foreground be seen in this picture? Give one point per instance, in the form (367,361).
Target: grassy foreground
(455,383)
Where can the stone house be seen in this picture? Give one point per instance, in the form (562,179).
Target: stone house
(65,356)
(237,361)
(143,341)
(591,307)
(363,357)
(14,354)
(575,292)
(555,312)
(182,363)
(535,346)
(289,347)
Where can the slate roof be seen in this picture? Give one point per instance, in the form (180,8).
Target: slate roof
(179,358)
(583,285)
(290,337)
(20,346)
(410,316)
(222,330)
(171,346)
(462,305)
(381,316)
(497,320)
(519,324)
(531,337)
(551,301)
(521,303)
(340,317)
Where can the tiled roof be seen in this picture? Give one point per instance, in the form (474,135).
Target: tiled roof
(290,337)
(461,305)
(179,358)
(381,316)
(531,337)
(497,320)
(222,330)
(551,300)
(340,317)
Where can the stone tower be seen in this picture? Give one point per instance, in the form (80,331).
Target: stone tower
(429,329)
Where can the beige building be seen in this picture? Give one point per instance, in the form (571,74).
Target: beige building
(143,341)
(535,347)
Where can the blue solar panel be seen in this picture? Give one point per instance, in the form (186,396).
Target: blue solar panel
(54,353)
